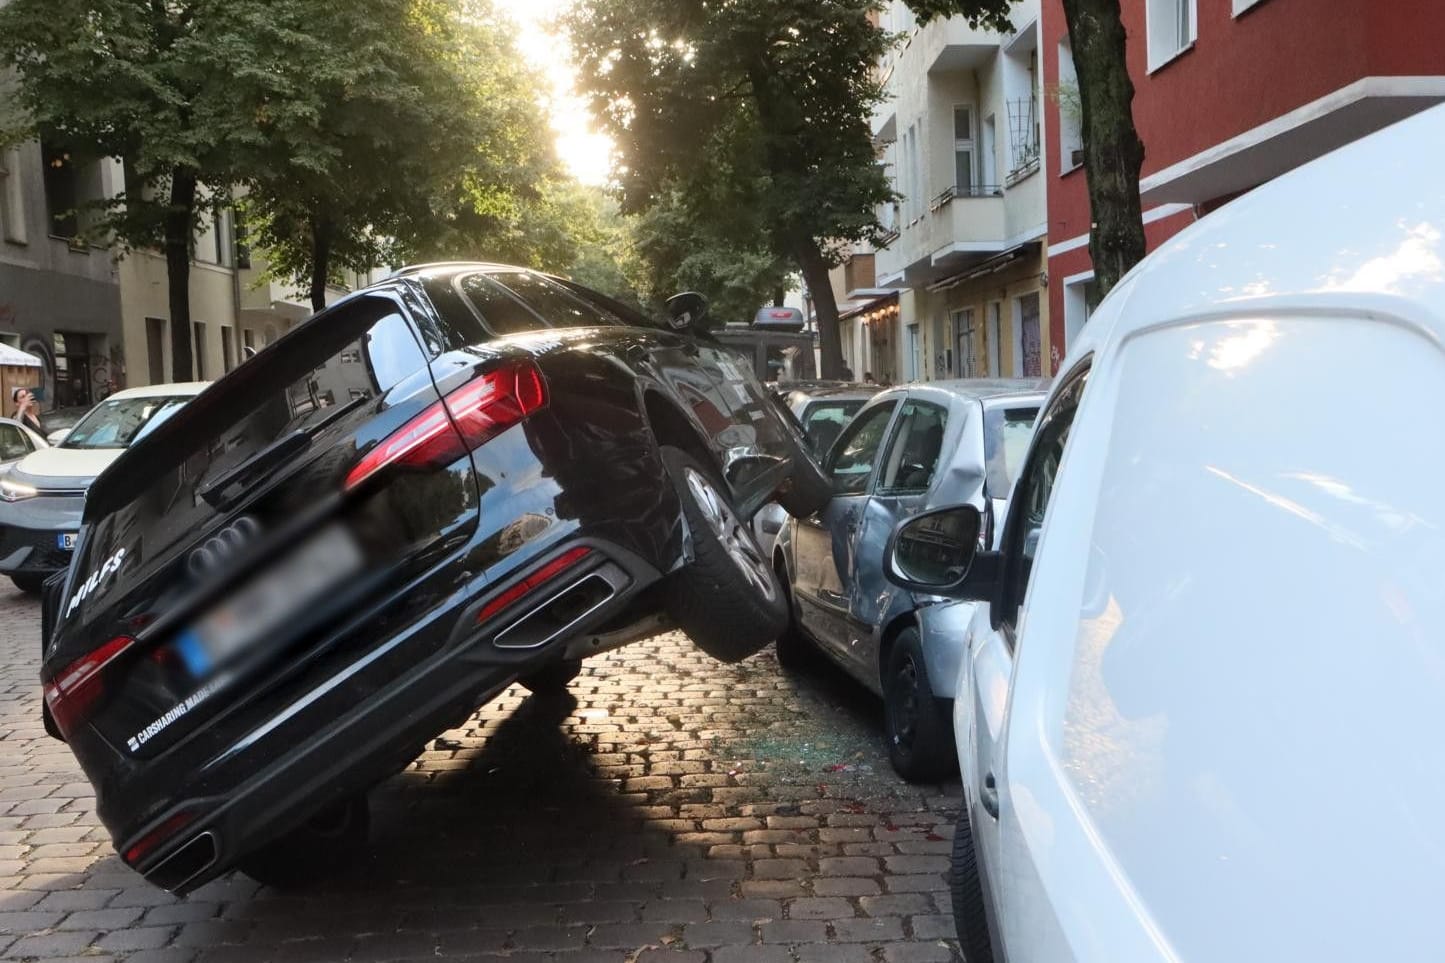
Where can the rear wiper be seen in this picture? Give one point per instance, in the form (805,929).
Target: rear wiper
(282,449)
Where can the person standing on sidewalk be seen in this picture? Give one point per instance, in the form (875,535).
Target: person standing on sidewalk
(27,410)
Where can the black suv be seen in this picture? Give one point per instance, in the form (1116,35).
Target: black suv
(465,476)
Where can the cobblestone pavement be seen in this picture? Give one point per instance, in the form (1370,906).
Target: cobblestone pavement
(674,809)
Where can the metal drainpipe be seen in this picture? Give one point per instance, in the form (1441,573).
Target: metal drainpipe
(236,339)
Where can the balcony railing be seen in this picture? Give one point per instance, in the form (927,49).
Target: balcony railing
(949,194)
(888,236)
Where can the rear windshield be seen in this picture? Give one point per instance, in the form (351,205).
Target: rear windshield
(1006,434)
(119,422)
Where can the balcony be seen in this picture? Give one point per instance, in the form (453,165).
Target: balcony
(958,230)
(950,44)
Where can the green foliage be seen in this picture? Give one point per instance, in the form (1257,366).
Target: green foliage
(747,119)
(988,14)
(406,129)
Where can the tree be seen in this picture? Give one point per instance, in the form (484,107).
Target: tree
(753,108)
(404,127)
(146,81)
(1113,153)
(730,260)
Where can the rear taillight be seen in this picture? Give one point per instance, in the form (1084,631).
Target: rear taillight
(147,843)
(74,692)
(481,409)
(534,581)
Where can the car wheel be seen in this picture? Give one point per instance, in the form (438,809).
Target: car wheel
(552,679)
(29,584)
(314,850)
(727,600)
(916,725)
(969,918)
(792,648)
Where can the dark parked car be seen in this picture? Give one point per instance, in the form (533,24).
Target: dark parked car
(464,476)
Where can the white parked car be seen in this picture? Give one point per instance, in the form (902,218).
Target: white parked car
(1200,717)
(42,494)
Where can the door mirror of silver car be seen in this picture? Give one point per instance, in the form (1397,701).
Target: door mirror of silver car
(687,311)
(937,551)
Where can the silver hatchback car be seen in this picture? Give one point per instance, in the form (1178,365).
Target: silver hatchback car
(911,448)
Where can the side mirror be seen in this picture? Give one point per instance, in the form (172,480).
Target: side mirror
(686,311)
(936,552)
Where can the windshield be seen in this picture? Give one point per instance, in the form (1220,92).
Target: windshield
(1006,442)
(120,422)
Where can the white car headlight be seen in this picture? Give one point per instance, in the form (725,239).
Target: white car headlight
(14,491)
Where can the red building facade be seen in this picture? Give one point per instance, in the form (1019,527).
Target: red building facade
(1230,94)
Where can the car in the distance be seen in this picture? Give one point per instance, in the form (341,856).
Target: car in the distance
(16,441)
(464,476)
(42,495)
(909,448)
(1201,710)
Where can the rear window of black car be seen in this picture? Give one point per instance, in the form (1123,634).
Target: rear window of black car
(473,308)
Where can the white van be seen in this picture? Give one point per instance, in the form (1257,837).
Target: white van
(1202,716)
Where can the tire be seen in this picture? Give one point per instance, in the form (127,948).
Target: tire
(314,850)
(29,584)
(915,721)
(727,599)
(969,918)
(552,679)
(792,647)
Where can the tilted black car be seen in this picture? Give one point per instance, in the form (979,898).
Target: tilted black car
(462,477)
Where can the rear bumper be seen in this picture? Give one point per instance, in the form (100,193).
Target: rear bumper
(328,745)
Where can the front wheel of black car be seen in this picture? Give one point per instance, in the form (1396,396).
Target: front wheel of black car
(314,850)
(727,600)
(29,584)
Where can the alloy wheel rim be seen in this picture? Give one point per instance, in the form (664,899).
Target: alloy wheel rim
(732,534)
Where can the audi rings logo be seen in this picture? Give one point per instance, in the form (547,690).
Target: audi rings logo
(223,546)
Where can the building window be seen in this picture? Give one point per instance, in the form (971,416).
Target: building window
(1028,362)
(988,160)
(1071,111)
(62,192)
(967,343)
(1171,25)
(1242,5)
(1081,297)
(198,348)
(228,347)
(993,340)
(12,200)
(963,150)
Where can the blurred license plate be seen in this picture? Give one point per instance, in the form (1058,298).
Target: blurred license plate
(65,540)
(267,602)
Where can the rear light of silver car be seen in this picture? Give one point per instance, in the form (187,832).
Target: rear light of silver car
(75,692)
(481,409)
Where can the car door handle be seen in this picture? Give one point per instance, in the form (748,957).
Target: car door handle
(988,795)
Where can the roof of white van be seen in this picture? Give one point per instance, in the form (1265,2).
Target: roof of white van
(1360,228)
(180,388)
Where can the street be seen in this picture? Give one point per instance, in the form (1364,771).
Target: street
(671,808)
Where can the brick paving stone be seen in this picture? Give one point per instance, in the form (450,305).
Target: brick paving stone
(670,810)
(845,886)
(874,930)
(717,933)
(752,954)
(793,931)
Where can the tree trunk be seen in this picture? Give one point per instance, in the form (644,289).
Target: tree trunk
(780,297)
(815,274)
(321,234)
(178,221)
(1113,153)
